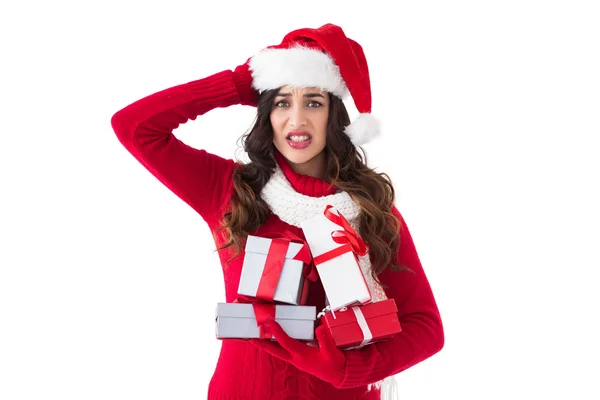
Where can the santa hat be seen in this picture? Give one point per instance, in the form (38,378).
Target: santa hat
(323,58)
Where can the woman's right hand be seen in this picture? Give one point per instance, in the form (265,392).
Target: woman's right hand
(242,78)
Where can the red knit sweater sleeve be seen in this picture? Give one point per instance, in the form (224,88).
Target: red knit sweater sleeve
(145,128)
(422,333)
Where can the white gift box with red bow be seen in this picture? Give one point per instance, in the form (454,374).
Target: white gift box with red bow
(275,270)
(335,247)
(244,320)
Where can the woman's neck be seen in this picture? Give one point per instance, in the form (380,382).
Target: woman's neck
(314,167)
(304,182)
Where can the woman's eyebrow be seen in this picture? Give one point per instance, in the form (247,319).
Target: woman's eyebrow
(311,95)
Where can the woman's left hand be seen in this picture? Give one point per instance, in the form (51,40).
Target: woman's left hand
(326,361)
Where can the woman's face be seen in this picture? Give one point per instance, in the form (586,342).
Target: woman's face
(299,119)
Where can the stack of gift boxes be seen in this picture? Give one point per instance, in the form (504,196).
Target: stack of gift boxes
(276,277)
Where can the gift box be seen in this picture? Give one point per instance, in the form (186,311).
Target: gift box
(335,247)
(242,320)
(275,270)
(358,326)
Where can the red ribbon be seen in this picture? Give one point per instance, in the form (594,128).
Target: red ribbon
(304,253)
(347,237)
(263,312)
(274,264)
(272,269)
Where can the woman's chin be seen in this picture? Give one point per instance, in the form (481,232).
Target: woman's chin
(298,159)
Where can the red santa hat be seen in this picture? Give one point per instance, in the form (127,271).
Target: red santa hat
(323,58)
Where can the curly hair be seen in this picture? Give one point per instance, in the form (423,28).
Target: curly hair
(346,169)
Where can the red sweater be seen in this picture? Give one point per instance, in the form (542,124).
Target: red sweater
(204,181)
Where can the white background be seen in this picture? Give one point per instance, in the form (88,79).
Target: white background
(108,281)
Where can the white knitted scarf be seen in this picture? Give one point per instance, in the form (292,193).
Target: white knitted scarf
(293,208)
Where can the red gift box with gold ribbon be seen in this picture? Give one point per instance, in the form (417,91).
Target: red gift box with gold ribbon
(358,326)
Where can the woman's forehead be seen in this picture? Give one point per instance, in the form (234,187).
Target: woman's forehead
(301,90)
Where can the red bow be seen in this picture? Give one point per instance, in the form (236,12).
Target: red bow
(348,238)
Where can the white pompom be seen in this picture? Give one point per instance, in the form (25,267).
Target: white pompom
(363,129)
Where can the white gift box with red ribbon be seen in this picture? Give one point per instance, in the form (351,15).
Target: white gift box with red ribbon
(335,247)
(275,270)
(244,320)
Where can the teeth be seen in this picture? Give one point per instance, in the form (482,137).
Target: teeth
(297,138)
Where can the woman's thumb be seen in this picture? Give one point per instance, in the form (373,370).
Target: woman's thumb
(326,340)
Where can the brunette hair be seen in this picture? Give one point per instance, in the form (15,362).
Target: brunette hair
(346,168)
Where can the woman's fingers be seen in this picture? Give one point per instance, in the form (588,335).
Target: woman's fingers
(290,344)
(326,341)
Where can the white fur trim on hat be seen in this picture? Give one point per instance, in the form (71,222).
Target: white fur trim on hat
(296,66)
(363,129)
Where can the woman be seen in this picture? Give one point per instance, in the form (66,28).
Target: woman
(303,155)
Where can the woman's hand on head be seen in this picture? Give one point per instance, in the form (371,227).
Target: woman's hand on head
(242,78)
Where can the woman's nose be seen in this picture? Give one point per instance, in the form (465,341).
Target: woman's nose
(298,117)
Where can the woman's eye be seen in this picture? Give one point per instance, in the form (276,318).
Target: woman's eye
(311,104)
